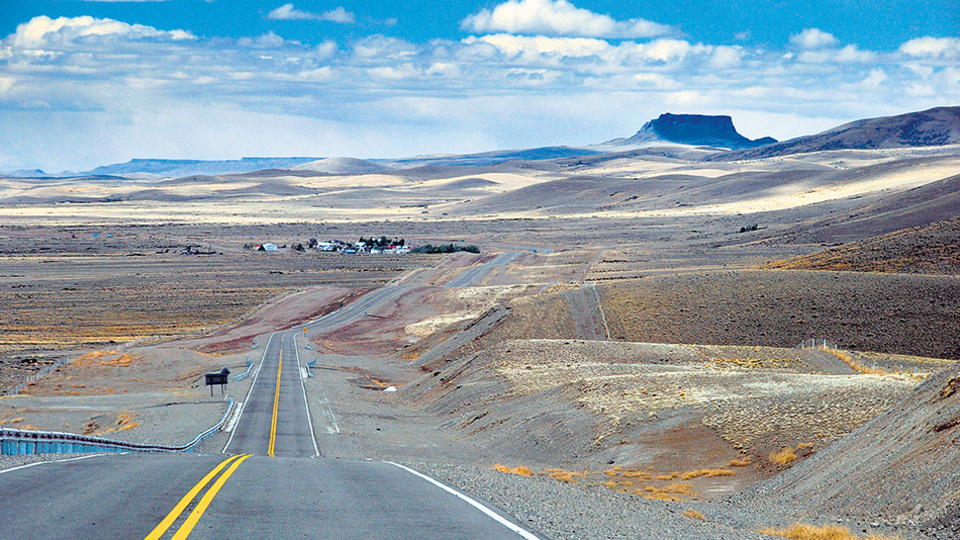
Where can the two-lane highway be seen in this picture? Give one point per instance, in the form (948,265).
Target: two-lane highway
(272,482)
(274,418)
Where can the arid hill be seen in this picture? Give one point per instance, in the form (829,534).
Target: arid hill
(933,127)
(934,249)
(899,466)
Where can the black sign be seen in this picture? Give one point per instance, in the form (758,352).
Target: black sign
(221,378)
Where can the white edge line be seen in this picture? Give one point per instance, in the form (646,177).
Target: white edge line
(249,391)
(306,405)
(472,502)
(27,466)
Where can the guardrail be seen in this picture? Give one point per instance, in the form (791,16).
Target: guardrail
(22,441)
(246,373)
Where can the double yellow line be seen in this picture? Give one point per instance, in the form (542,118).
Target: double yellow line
(276,404)
(201,507)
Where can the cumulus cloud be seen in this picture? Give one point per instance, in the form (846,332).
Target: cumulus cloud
(533,46)
(558,18)
(287,12)
(814,38)
(43,31)
(848,54)
(948,48)
(109,73)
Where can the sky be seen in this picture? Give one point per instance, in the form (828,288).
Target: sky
(86,83)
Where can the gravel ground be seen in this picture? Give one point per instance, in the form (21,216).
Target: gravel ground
(579,513)
(568,511)
(11,462)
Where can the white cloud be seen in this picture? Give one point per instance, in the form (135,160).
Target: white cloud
(116,80)
(558,18)
(814,38)
(44,32)
(726,57)
(287,12)
(512,45)
(848,54)
(932,47)
(876,78)
(395,73)
(665,50)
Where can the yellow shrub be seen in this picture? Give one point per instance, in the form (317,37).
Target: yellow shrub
(706,472)
(519,469)
(803,531)
(783,457)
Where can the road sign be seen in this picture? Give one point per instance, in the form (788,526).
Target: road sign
(218,378)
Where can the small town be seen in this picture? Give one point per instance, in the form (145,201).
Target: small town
(372,245)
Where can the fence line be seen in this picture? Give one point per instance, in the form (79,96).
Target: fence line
(44,371)
(821,344)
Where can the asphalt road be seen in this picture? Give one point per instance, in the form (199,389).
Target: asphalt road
(129,496)
(271,482)
(471,275)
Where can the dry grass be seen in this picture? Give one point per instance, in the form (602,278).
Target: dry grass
(847,358)
(124,360)
(803,531)
(782,457)
(755,363)
(519,469)
(561,475)
(709,473)
(670,492)
(629,480)
(740,462)
(693,514)
(124,422)
(639,475)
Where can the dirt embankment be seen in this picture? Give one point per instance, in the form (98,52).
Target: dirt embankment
(901,465)
(661,409)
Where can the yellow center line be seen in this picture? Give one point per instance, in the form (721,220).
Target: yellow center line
(178,509)
(276,404)
(194,516)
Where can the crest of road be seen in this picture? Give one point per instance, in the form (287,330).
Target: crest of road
(270,482)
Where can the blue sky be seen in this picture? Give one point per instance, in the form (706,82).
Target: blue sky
(83,83)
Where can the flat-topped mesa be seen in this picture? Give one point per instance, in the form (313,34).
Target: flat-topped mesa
(695,129)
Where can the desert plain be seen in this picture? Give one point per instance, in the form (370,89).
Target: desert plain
(718,344)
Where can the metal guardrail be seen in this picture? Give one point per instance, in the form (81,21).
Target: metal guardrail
(22,441)
(246,373)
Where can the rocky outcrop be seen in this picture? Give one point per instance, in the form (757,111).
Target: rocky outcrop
(692,129)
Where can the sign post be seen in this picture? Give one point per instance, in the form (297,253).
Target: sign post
(218,378)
